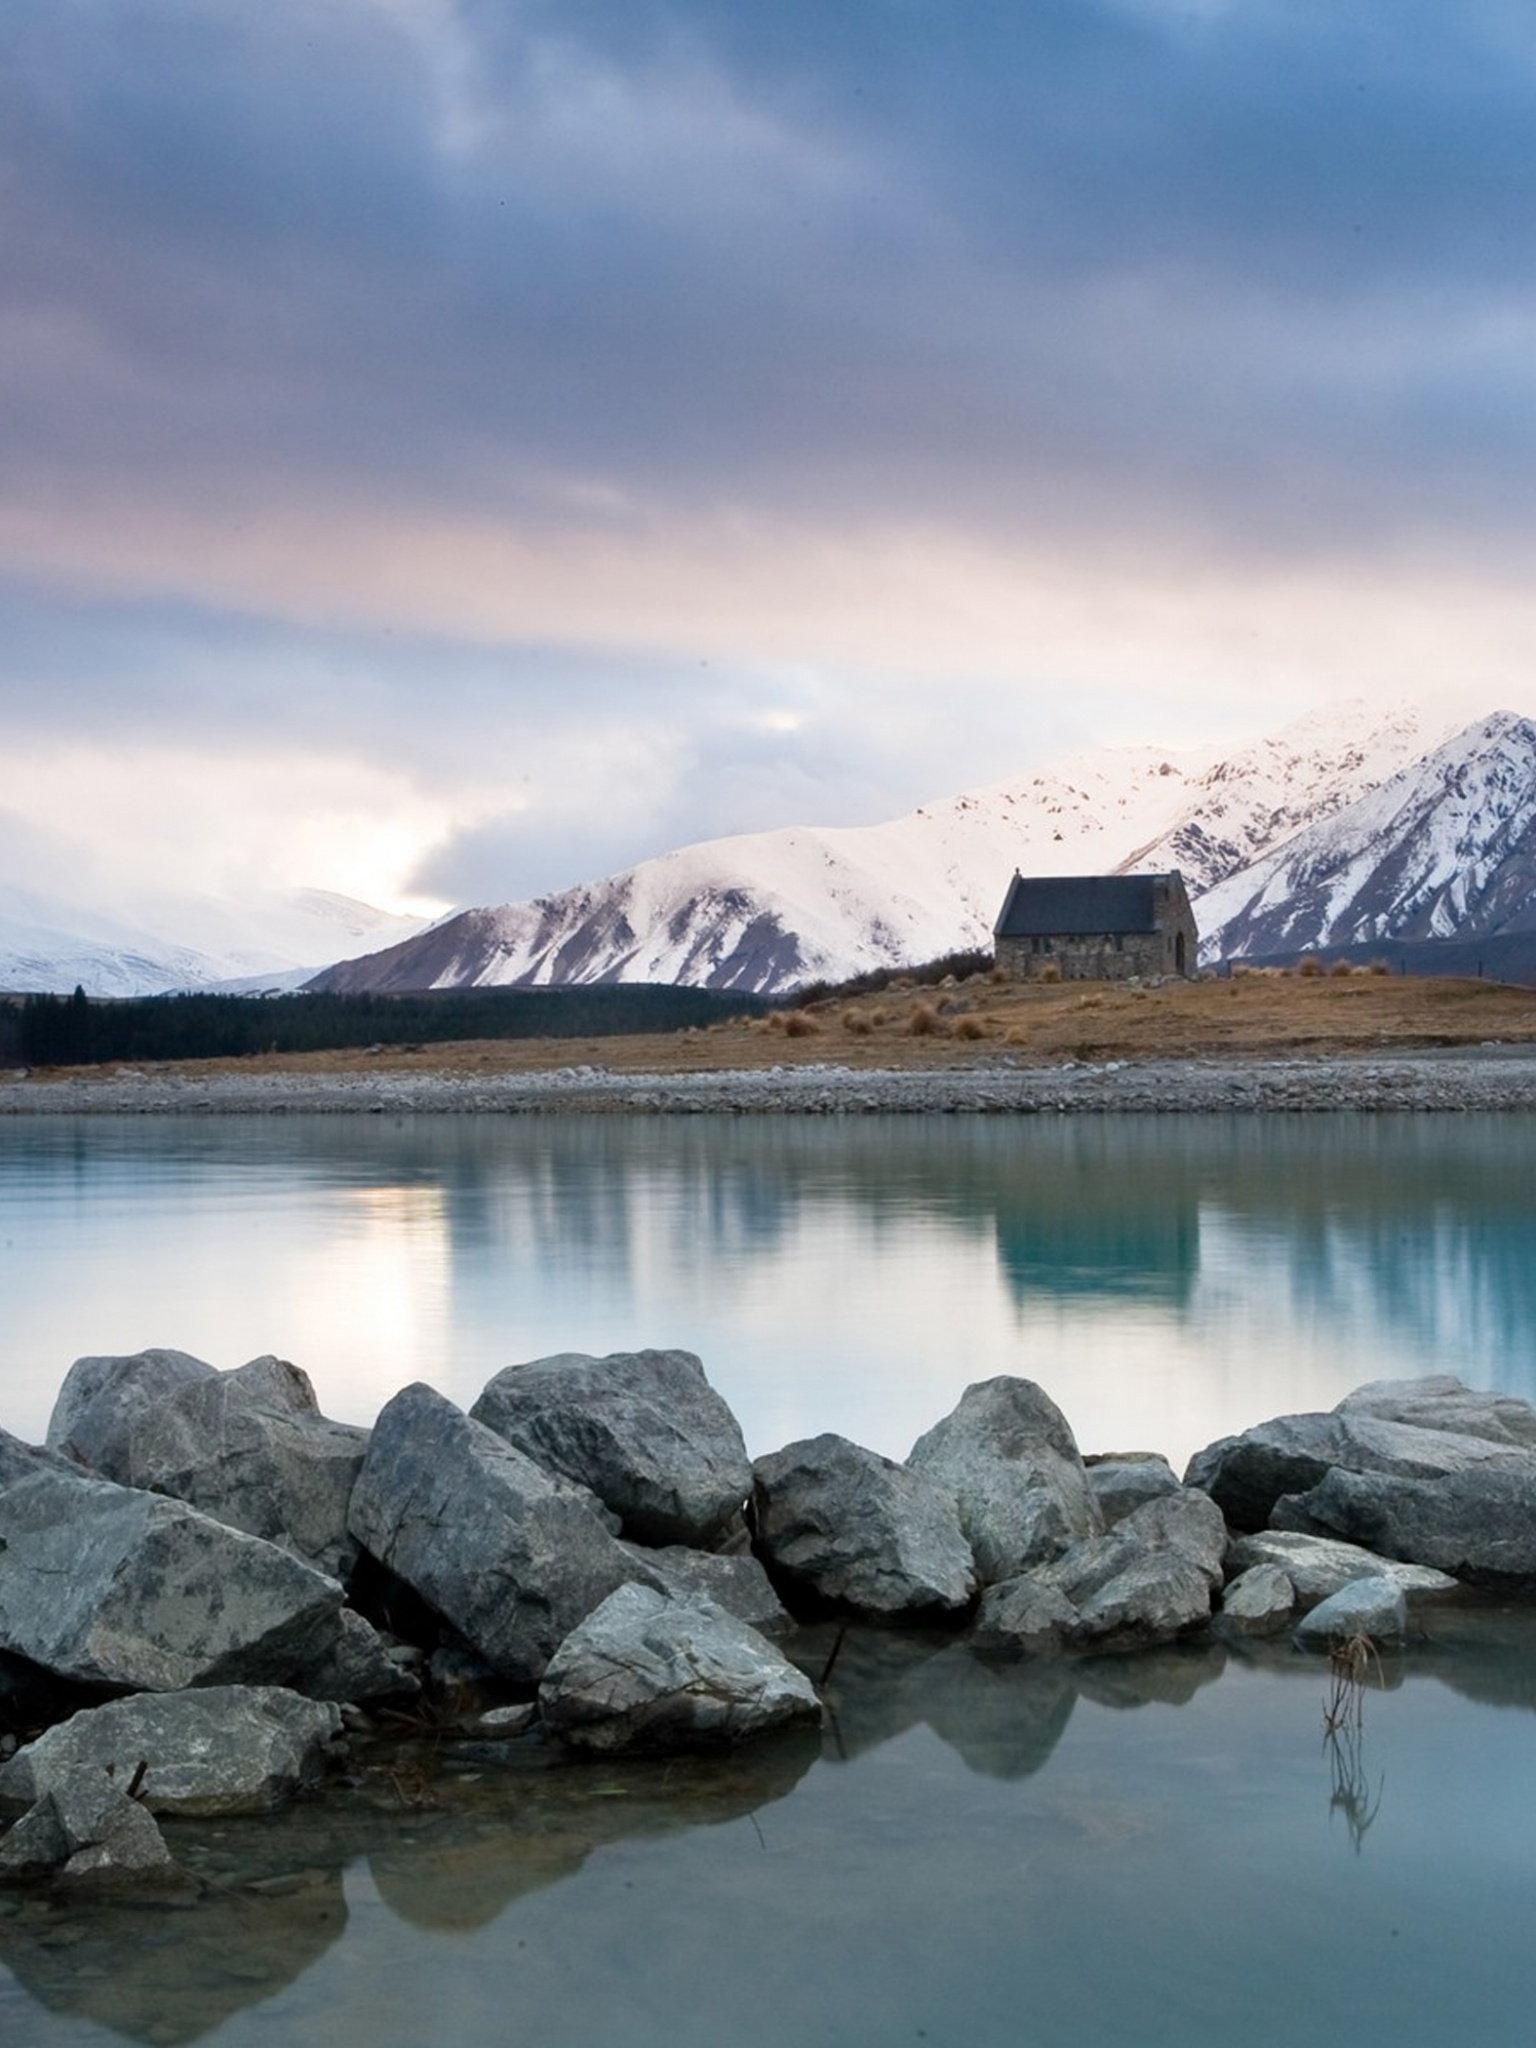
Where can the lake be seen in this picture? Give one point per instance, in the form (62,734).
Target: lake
(1127,1850)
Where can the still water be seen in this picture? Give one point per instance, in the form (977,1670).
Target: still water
(1124,1851)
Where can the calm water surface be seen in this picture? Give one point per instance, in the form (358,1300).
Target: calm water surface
(1137,1851)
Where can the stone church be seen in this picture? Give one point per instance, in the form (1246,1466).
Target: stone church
(1096,928)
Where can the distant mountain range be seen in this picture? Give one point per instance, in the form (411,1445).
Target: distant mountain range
(1346,829)
(276,943)
(771,910)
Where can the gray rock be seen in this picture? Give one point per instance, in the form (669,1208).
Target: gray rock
(20,1461)
(1317,1566)
(1007,1456)
(1479,1525)
(86,1830)
(1149,1579)
(356,1665)
(1023,1617)
(1440,1401)
(1387,1427)
(845,1526)
(248,1447)
(110,1586)
(649,1671)
(215,1750)
(1259,1601)
(643,1430)
(1121,1485)
(513,1558)
(738,1584)
(1365,1607)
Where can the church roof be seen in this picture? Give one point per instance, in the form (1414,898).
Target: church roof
(1078,906)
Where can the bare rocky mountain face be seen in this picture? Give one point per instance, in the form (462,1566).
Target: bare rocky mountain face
(1380,813)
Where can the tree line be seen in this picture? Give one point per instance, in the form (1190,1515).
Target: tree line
(78,1030)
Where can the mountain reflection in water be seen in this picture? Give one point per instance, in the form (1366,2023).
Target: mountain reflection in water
(1167,1279)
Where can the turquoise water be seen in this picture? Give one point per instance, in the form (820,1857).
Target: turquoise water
(1129,1851)
(1167,1279)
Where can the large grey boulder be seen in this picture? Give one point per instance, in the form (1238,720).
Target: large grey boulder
(651,1672)
(218,1749)
(85,1830)
(643,1430)
(1007,1456)
(738,1584)
(1150,1579)
(1120,1485)
(1317,1566)
(249,1447)
(840,1525)
(1425,1430)
(113,1587)
(1477,1524)
(1374,1608)
(512,1557)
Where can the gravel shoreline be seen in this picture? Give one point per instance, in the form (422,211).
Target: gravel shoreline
(1460,1079)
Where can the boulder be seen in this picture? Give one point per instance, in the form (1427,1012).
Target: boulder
(216,1750)
(1119,1485)
(643,1430)
(738,1584)
(1317,1566)
(248,1447)
(1479,1524)
(841,1526)
(86,1830)
(1259,1601)
(1402,1429)
(1147,1580)
(1023,1617)
(1007,1457)
(510,1556)
(654,1672)
(1365,1607)
(109,1586)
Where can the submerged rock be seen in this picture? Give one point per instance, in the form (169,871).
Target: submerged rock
(513,1558)
(651,1671)
(643,1430)
(215,1749)
(248,1447)
(1007,1456)
(843,1526)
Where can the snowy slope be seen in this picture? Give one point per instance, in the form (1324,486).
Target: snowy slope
(770,910)
(1445,848)
(51,944)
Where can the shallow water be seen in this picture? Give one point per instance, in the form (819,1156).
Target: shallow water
(1123,1851)
(1168,1280)
(1136,1850)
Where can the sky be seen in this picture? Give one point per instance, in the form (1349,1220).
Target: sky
(451,449)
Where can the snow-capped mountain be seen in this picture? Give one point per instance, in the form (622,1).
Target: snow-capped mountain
(47,944)
(1446,848)
(771,910)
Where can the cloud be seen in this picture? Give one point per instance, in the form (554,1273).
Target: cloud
(580,426)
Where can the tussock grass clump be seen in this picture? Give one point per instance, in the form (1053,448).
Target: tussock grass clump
(1310,968)
(923,1021)
(798,1024)
(971,1027)
(856,1023)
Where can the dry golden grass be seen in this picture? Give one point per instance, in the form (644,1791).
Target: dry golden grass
(1254,1014)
